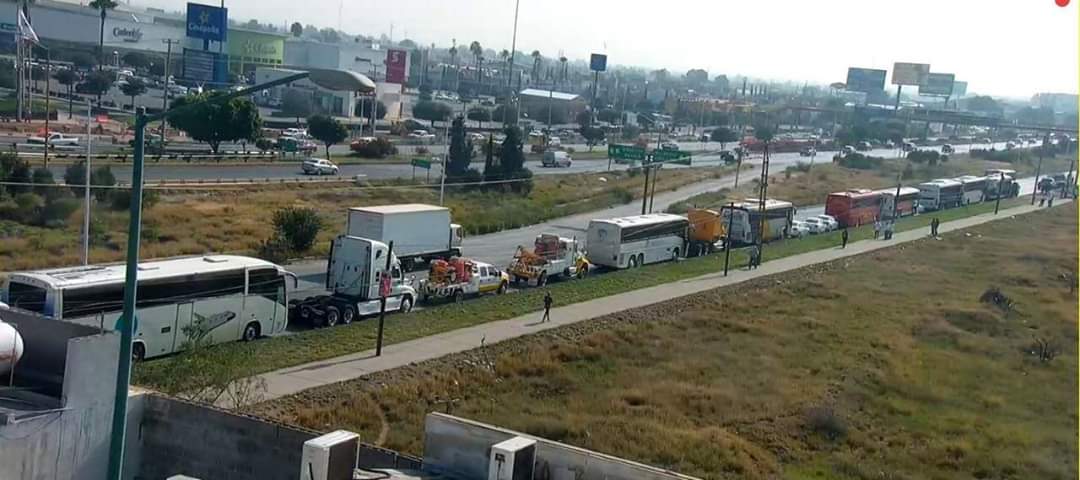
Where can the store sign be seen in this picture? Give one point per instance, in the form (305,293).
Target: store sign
(938,84)
(207,22)
(130,35)
(865,80)
(256,48)
(910,73)
(397,62)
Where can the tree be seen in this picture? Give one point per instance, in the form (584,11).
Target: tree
(511,156)
(67,78)
(461,149)
(504,112)
(593,135)
(697,77)
(562,61)
(583,118)
(723,135)
(326,129)
(298,227)
(407,44)
(432,111)
(75,174)
(479,114)
(102,6)
(82,59)
(102,177)
(296,29)
(133,88)
(537,58)
(478,58)
(609,115)
(136,59)
(44,176)
(98,83)
(157,68)
(213,123)
(363,108)
(297,103)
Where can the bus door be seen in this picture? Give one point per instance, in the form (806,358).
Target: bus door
(180,327)
(265,301)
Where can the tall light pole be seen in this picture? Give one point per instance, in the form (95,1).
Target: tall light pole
(86,189)
(1038,169)
(510,74)
(329,79)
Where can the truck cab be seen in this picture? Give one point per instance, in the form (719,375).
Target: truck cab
(551,256)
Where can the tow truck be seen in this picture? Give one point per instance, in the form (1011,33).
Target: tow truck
(551,256)
(460,277)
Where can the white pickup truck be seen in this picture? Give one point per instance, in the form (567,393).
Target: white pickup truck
(55,139)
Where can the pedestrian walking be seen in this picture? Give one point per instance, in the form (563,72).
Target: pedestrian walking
(934,227)
(1042,200)
(877,229)
(1050,202)
(547,307)
(844,237)
(755,257)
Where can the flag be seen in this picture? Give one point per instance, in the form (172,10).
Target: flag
(26,32)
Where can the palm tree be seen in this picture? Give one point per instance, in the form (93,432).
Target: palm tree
(536,65)
(505,56)
(453,60)
(67,78)
(765,135)
(478,58)
(102,6)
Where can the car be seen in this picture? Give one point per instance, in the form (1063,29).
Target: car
(554,142)
(985,140)
(808,152)
(847,150)
(556,158)
(728,156)
(947,149)
(863,146)
(319,166)
(422,135)
(815,225)
(1010,145)
(54,139)
(828,222)
(669,146)
(798,229)
(908,147)
(477,137)
(294,132)
(889,144)
(175,89)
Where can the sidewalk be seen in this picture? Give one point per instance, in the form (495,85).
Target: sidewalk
(291,380)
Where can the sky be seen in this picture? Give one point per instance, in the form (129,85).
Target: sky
(1001,47)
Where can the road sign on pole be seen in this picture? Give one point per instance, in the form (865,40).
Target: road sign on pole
(422,163)
(671,156)
(626,152)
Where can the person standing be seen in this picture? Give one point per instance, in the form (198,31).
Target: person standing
(755,257)
(1050,201)
(547,307)
(844,236)
(933,227)
(877,228)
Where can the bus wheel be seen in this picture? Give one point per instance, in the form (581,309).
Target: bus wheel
(333,315)
(631,263)
(674,254)
(641,260)
(138,352)
(251,332)
(348,315)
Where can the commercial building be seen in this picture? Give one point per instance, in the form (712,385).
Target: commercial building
(358,56)
(534,98)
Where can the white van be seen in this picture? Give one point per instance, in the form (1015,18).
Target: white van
(556,158)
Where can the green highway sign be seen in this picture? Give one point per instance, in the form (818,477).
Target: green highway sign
(672,156)
(625,152)
(422,163)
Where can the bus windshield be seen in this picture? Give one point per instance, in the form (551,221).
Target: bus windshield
(26,297)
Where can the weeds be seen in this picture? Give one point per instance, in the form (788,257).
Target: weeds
(825,421)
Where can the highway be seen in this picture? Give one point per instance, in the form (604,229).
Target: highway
(291,170)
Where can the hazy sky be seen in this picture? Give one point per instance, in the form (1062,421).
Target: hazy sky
(1001,47)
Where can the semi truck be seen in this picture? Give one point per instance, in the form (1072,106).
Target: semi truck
(552,256)
(745,220)
(420,232)
(706,229)
(359,273)
(460,277)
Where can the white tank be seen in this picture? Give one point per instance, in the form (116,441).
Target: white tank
(11,347)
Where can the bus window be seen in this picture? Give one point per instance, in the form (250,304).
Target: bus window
(266,283)
(92,300)
(26,297)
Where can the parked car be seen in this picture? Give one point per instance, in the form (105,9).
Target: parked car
(808,152)
(1010,145)
(294,132)
(828,222)
(175,89)
(319,166)
(798,229)
(847,150)
(54,139)
(908,147)
(815,225)
(863,146)
(422,135)
(947,149)
(477,137)
(728,156)
(669,146)
(556,158)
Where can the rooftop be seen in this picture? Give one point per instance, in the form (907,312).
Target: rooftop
(94,274)
(536,92)
(403,208)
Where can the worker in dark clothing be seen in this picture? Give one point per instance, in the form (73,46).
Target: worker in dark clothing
(843,238)
(755,257)
(934,226)
(1050,202)
(547,307)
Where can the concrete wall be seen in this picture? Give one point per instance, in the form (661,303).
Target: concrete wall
(69,440)
(46,346)
(177,437)
(461,447)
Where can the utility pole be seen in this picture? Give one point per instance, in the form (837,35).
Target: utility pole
(762,198)
(510,74)
(1038,169)
(727,236)
(652,193)
(86,189)
(997,202)
(383,293)
(645,195)
(48,80)
(165,94)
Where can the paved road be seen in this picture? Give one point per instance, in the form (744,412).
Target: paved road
(292,380)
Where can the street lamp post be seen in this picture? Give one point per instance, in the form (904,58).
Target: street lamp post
(329,79)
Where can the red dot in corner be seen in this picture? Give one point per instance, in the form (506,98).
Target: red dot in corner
(1062,3)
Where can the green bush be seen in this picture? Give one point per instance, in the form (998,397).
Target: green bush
(29,207)
(297,227)
(377,148)
(926,156)
(103,176)
(860,162)
(58,211)
(274,249)
(120,199)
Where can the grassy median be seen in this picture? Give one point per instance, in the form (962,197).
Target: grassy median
(308,346)
(888,365)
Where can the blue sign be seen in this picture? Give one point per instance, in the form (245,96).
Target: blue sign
(207,22)
(203,67)
(867,80)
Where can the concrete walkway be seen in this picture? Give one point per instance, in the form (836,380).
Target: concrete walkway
(291,380)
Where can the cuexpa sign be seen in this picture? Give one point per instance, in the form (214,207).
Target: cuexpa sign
(207,22)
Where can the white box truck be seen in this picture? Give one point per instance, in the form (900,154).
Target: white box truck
(419,232)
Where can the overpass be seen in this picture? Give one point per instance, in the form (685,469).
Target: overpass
(947,117)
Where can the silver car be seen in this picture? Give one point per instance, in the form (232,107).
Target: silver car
(319,166)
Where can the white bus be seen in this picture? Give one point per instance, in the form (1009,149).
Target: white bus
(974,188)
(745,220)
(630,242)
(940,194)
(221,298)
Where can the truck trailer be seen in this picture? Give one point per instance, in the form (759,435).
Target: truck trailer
(420,232)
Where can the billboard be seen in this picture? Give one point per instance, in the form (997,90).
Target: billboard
(865,79)
(204,67)
(598,62)
(910,73)
(938,84)
(207,22)
(959,89)
(397,64)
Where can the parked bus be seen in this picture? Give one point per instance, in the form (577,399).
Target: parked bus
(974,188)
(218,298)
(854,207)
(1001,184)
(940,194)
(630,242)
(906,204)
(745,220)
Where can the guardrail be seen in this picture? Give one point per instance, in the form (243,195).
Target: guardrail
(232,182)
(234,155)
